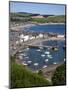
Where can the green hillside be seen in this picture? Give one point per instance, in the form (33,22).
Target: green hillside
(50,19)
(25,17)
(56,19)
(21,77)
(59,77)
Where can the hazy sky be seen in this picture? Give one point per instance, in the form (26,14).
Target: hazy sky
(37,8)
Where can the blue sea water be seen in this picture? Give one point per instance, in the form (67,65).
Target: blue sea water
(35,56)
(55,28)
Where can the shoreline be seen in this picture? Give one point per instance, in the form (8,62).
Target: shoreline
(23,26)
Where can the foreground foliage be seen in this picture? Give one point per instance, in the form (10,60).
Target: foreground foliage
(21,77)
(59,77)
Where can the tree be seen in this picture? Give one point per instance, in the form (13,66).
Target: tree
(40,72)
(59,77)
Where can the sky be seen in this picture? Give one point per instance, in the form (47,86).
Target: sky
(48,9)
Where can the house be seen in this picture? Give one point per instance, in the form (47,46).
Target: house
(39,16)
(60,36)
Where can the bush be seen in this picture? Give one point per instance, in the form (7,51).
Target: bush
(21,77)
(59,77)
(40,72)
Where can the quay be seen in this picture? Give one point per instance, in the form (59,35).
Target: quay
(32,43)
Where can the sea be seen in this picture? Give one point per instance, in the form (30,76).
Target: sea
(54,28)
(38,58)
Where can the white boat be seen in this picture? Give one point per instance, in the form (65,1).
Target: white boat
(64,59)
(21,54)
(46,60)
(20,57)
(20,51)
(27,48)
(38,50)
(41,47)
(47,52)
(35,64)
(27,57)
(44,66)
(24,54)
(49,56)
(29,62)
(25,64)
(54,63)
(43,55)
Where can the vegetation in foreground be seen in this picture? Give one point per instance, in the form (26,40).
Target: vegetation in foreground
(21,77)
(59,77)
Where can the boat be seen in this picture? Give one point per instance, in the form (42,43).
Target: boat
(27,57)
(49,56)
(24,54)
(20,57)
(29,62)
(35,64)
(54,63)
(55,48)
(47,52)
(46,60)
(43,55)
(27,48)
(64,59)
(39,50)
(44,66)
(41,47)
(25,64)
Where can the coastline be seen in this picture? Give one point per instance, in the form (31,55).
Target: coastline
(23,26)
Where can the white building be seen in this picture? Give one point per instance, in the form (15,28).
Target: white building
(41,35)
(24,38)
(60,36)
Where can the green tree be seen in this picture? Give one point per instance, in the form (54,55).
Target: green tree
(59,77)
